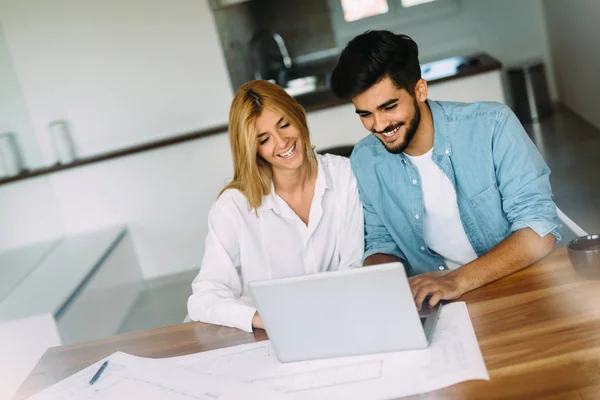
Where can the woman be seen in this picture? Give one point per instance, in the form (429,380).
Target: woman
(287,212)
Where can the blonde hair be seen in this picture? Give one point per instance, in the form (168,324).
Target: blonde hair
(252,174)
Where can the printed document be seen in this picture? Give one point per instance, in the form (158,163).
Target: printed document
(452,357)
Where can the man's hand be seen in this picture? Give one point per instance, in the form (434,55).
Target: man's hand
(378,258)
(257,321)
(519,250)
(438,285)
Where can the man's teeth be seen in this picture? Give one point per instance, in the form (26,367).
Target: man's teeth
(288,153)
(391,133)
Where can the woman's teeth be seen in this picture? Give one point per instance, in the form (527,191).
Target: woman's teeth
(288,153)
(392,132)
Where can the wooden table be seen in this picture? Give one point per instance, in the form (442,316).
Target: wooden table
(538,329)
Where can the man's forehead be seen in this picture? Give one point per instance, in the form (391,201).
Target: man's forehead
(377,95)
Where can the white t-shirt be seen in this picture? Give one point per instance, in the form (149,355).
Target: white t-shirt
(443,229)
(241,247)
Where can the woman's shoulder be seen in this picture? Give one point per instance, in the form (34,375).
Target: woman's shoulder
(335,164)
(231,201)
(337,167)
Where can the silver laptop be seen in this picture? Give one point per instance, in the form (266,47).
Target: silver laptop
(344,313)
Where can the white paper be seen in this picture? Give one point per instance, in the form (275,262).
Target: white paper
(452,357)
(130,377)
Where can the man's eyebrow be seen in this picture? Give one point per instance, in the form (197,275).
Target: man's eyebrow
(384,105)
(387,103)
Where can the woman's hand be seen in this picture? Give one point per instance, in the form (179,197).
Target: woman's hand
(257,321)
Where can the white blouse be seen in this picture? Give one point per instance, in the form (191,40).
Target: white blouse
(241,247)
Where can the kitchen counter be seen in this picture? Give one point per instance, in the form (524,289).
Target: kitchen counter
(434,72)
(319,99)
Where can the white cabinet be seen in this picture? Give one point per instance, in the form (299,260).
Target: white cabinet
(486,86)
(88,282)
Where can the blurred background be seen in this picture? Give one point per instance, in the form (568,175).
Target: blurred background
(113,126)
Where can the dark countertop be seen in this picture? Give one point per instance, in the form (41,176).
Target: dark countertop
(434,72)
(320,99)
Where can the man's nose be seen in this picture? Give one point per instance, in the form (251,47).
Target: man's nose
(380,124)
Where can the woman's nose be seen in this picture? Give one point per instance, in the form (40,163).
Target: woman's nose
(280,140)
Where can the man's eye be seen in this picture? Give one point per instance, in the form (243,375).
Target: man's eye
(391,107)
(364,115)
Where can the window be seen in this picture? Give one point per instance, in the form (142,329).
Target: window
(359,9)
(353,17)
(410,3)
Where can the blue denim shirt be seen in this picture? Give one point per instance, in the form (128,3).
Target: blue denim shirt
(500,178)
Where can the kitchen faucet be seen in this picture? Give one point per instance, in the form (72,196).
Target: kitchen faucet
(283,52)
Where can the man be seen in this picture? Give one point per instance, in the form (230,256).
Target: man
(456,191)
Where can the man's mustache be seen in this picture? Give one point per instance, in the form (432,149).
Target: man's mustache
(389,128)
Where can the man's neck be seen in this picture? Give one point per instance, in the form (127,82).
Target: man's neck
(422,142)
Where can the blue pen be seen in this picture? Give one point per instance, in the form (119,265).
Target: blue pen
(98,373)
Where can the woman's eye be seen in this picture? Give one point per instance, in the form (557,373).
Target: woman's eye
(264,141)
(285,125)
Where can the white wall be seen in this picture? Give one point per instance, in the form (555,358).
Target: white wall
(122,72)
(164,195)
(509,30)
(574,34)
(29,213)
(14,115)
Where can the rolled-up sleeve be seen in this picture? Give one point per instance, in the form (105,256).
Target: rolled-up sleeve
(377,238)
(523,179)
(217,289)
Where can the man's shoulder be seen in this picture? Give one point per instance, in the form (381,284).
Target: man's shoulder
(457,111)
(367,147)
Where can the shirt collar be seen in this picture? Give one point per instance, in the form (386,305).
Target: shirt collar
(441,141)
(324,182)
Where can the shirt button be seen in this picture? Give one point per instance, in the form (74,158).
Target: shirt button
(414,181)
(441,267)
(417,216)
(447,151)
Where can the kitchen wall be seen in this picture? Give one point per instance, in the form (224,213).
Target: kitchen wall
(574,32)
(163,196)
(125,71)
(235,25)
(509,30)
(122,72)
(14,114)
(304,25)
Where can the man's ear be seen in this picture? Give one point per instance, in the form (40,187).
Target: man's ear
(421,90)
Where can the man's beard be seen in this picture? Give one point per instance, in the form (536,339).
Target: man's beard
(410,132)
